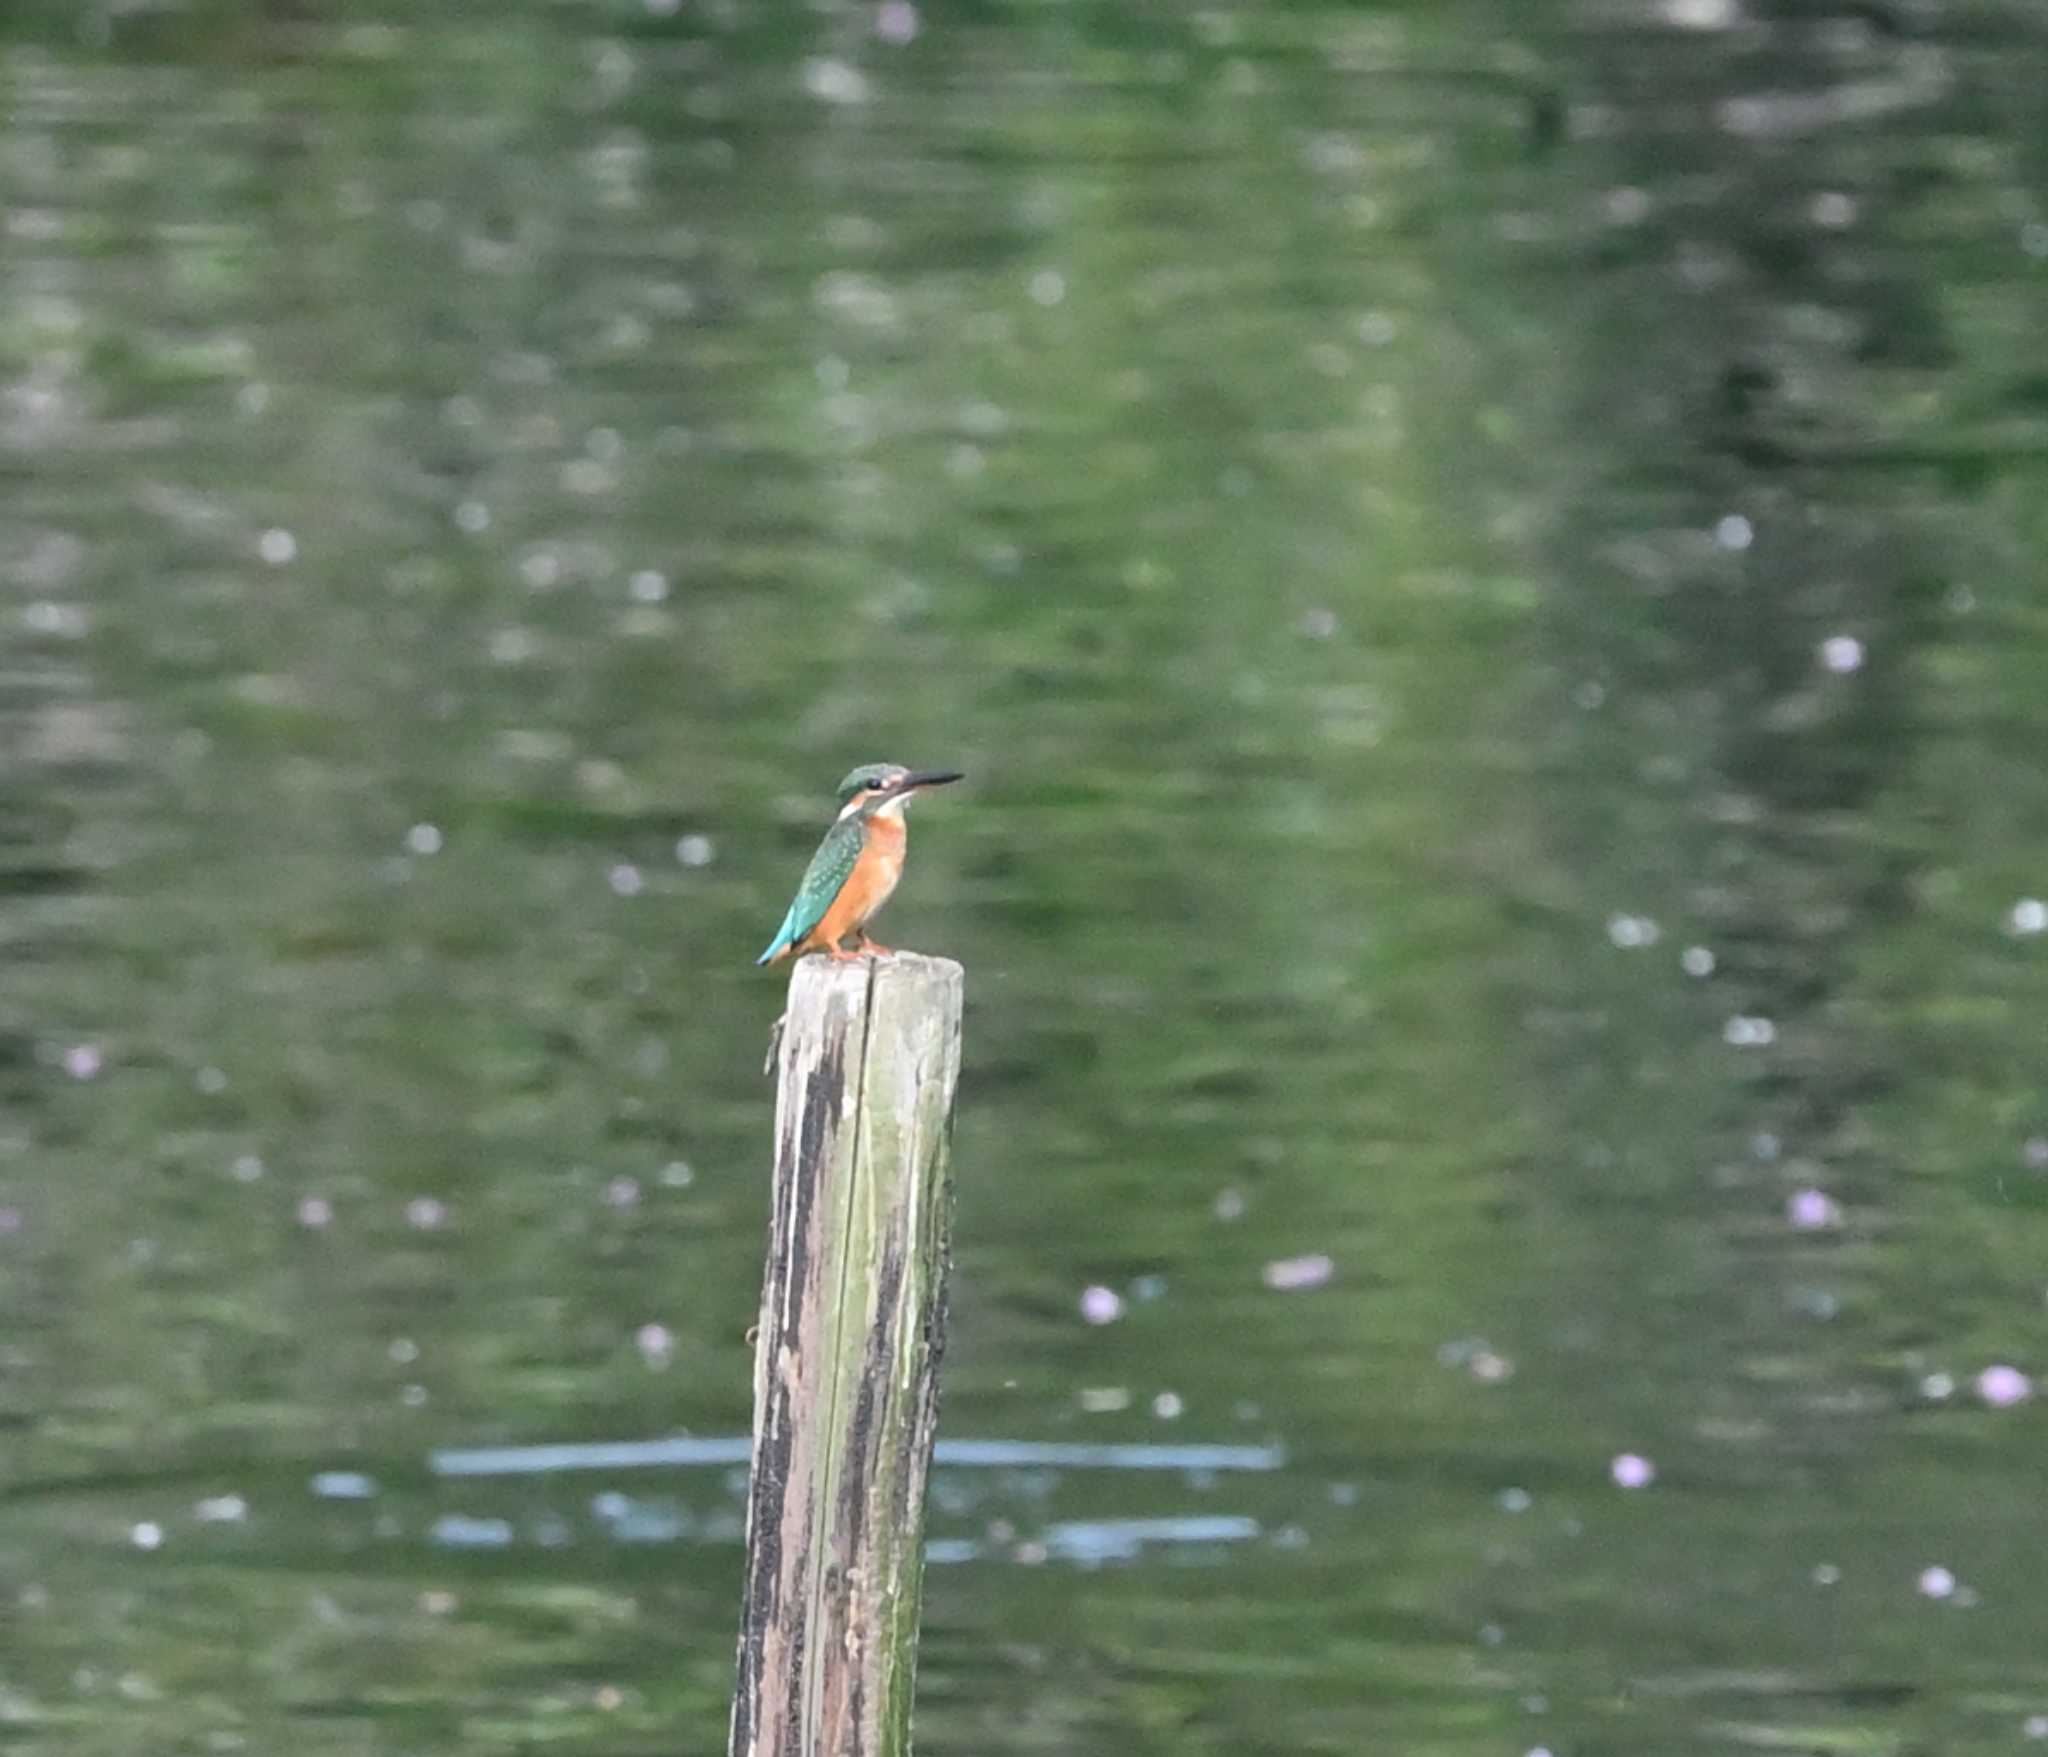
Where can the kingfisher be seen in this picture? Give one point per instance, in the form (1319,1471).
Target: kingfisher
(856,866)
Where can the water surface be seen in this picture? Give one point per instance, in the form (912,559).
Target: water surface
(1484,562)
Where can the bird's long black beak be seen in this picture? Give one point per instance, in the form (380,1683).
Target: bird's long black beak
(929,778)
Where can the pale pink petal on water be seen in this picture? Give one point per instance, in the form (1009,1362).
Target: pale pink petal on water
(1812,1211)
(2002,1386)
(1101,1305)
(1291,1273)
(896,21)
(1631,1470)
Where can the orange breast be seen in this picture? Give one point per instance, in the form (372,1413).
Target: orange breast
(867,887)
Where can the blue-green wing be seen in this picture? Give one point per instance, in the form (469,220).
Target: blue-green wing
(828,870)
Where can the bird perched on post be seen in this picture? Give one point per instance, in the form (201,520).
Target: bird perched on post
(856,866)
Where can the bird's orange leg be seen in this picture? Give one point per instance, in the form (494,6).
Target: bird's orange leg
(829,945)
(819,941)
(864,945)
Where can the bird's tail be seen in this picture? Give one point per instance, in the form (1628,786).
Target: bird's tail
(781,942)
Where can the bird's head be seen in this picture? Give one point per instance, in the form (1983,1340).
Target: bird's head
(885,789)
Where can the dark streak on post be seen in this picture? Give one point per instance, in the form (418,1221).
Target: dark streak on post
(803,1140)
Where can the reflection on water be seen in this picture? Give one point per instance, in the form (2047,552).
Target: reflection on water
(1010,1515)
(1484,563)
(956,1454)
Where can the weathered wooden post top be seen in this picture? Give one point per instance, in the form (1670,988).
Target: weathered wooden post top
(846,1362)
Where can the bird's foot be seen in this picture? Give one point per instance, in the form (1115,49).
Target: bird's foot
(839,955)
(876,948)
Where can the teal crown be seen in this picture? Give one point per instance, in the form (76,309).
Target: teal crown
(869,775)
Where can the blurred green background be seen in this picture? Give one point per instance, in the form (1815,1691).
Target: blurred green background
(1485,562)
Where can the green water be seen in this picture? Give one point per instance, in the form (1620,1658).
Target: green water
(1485,563)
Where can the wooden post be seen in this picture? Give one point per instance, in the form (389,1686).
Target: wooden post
(847,1359)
